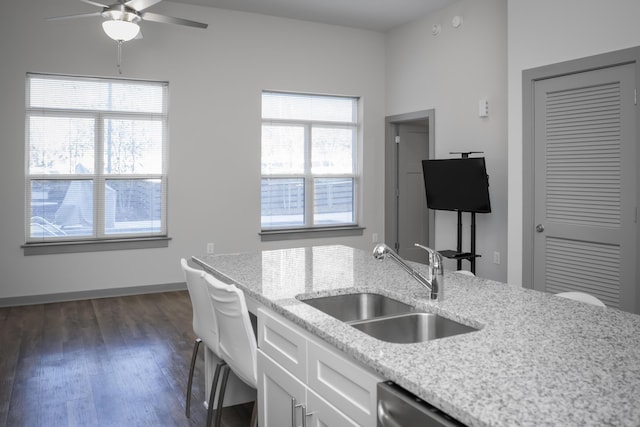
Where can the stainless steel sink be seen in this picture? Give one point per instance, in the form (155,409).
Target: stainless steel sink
(387,319)
(412,327)
(353,307)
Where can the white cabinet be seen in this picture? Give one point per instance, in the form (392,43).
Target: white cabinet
(278,338)
(284,401)
(321,414)
(341,382)
(300,376)
(278,394)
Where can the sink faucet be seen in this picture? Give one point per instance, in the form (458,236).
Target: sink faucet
(436,270)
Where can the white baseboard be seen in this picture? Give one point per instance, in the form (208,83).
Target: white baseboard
(98,293)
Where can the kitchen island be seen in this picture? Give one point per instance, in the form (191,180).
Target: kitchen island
(536,360)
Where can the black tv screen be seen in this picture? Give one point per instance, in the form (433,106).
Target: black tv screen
(457,184)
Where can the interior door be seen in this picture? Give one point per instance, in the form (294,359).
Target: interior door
(585,185)
(413,218)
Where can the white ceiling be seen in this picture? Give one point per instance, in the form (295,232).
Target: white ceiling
(376,15)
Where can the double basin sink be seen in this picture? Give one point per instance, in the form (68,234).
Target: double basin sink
(387,319)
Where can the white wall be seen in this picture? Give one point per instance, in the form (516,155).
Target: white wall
(545,32)
(451,72)
(216,77)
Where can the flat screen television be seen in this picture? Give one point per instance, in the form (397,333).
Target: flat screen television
(457,184)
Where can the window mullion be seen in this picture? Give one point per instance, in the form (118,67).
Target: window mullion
(308,178)
(99,183)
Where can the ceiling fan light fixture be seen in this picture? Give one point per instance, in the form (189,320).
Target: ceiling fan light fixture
(120,30)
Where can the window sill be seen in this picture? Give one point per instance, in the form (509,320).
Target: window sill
(49,248)
(310,233)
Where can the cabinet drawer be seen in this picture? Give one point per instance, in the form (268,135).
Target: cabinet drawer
(279,339)
(344,384)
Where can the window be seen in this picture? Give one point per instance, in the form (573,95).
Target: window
(96,159)
(309,174)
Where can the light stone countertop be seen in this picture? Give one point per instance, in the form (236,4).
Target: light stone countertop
(537,360)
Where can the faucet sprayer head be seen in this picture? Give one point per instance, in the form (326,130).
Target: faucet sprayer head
(380,251)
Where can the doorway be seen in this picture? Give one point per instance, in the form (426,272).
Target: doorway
(410,138)
(581,184)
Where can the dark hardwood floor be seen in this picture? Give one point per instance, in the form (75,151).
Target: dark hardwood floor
(103,362)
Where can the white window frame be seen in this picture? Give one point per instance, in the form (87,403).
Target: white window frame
(100,240)
(309,229)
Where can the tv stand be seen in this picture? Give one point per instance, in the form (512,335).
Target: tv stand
(458,255)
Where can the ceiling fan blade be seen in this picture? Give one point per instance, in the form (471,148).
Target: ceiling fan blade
(140,5)
(94,3)
(148,16)
(84,15)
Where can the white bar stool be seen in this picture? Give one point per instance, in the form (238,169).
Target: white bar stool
(582,297)
(237,340)
(205,327)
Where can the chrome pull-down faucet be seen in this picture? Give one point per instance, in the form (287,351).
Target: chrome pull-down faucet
(435,284)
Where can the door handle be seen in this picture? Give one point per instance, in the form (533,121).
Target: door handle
(305,414)
(303,409)
(539,228)
(294,406)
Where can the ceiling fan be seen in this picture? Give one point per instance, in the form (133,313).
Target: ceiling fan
(121,19)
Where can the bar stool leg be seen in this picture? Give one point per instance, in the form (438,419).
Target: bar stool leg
(212,394)
(196,346)
(223,388)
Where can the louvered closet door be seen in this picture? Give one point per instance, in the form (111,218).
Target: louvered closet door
(585,185)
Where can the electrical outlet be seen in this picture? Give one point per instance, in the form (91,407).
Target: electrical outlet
(374,238)
(210,248)
(496,257)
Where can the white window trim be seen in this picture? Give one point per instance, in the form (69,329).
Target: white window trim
(309,230)
(101,241)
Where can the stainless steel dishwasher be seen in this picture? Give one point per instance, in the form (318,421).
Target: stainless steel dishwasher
(399,408)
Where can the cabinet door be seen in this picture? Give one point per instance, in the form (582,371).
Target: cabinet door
(322,414)
(280,395)
(343,384)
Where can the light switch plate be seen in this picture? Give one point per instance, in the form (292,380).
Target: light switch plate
(483,108)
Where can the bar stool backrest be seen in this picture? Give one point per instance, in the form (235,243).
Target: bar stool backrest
(205,325)
(237,340)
